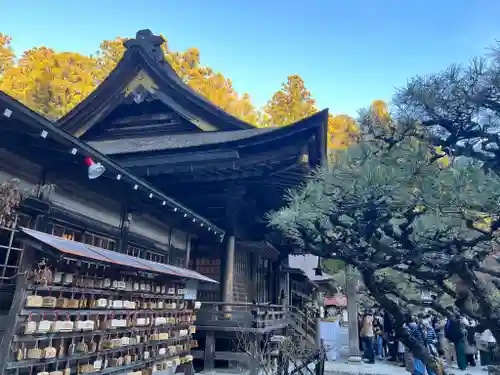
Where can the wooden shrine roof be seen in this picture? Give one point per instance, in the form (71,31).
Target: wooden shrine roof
(298,133)
(158,153)
(174,141)
(143,70)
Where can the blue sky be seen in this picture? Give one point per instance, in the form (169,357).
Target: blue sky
(349,52)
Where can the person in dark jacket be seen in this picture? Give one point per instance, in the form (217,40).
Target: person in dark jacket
(470,346)
(390,338)
(454,331)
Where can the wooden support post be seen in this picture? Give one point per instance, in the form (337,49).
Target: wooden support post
(277,284)
(125,230)
(234,201)
(228,275)
(317,319)
(317,333)
(253,277)
(320,365)
(286,284)
(29,256)
(306,328)
(209,357)
(255,315)
(271,281)
(188,252)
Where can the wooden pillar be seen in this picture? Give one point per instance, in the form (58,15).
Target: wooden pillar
(275,281)
(269,281)
(29,258)
(234,201)
(188,252)
(286,282)
(253,276)
(125,231)
(317,331)
(317,326)
(228,274)
(194,256)
(352,313)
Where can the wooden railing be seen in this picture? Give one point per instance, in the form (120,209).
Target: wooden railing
(242,315)
(305,322)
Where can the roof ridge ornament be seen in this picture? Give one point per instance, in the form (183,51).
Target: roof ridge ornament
(149,42)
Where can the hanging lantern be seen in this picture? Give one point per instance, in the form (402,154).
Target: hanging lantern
(96,170)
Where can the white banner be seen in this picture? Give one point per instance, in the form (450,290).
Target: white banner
(329,333)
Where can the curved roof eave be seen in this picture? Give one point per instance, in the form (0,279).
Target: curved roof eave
(236,138)
(164,75)
(113,84)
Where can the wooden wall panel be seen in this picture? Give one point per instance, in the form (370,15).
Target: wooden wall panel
(70,196)
(210,266)
(242,280)
(149,227)
(12,166)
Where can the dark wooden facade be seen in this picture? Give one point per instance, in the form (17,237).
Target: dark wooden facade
(118,212)
(107,213)
(218,175)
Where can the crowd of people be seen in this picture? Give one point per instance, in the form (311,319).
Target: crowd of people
(450,340)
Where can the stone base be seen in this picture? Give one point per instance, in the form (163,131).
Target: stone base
(355,358)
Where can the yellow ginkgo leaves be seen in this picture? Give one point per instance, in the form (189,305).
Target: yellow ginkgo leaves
(380,110)
(480,220)
(342,132)
(52,83)
(294,102)
(6,53)
(439,156)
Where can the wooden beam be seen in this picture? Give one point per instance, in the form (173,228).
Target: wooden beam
(195,157)
(252,173)
(220,177)
(188,252)
(126,221)
(227,159)
(146,118)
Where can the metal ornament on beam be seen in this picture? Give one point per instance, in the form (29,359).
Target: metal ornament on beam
(7,112)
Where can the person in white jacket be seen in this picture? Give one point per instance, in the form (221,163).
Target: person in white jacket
(485,342)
